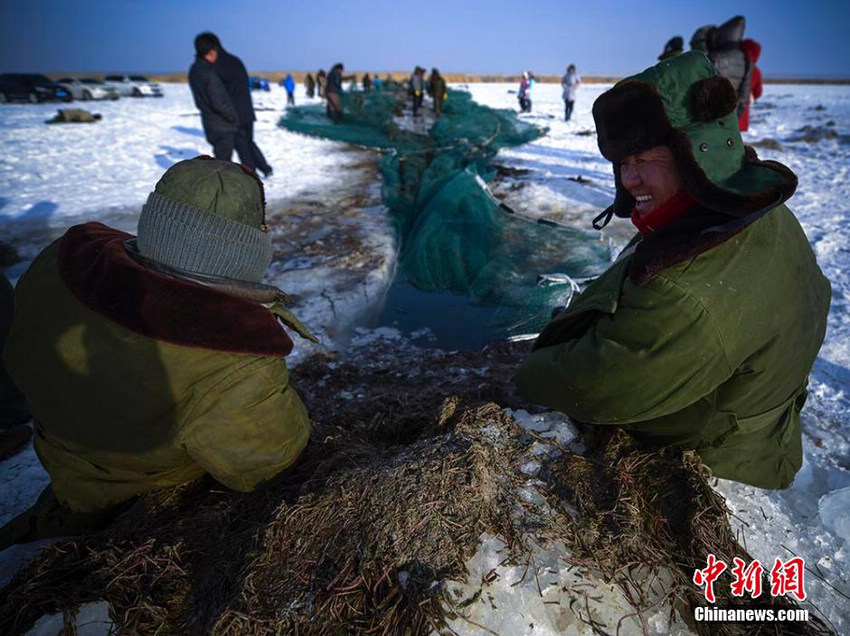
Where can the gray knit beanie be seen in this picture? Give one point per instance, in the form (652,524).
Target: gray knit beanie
(208,217)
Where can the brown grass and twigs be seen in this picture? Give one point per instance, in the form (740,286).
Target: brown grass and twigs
(412,458)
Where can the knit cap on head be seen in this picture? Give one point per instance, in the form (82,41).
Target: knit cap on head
(207,217)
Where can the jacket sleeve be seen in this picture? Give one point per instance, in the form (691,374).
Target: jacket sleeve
(249,427)
(657,353)
(219,99)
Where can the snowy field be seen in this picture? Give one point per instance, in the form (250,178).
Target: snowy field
(52,177)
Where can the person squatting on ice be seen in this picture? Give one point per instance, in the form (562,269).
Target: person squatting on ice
(704,330)
(15,415)
(149,361)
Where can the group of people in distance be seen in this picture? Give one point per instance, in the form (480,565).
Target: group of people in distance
(569,85)
(734,57)
(434,86)
(150,360)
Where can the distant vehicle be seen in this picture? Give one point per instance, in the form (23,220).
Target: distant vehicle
(30,87)
(258,83)
(87,88)
(133,85)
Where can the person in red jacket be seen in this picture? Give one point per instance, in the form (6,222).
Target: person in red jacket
(752,50)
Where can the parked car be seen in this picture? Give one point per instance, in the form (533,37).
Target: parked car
(86,88)
(258,83)
(30,87)
(133,85)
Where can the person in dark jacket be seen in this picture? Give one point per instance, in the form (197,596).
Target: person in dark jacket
(321,80)
(15,416)
(152,360)
(333,90)
(703,332)
(675,46)
(416,89)
(367,83)
(437,90)
(218,115)
(310,85)
(234,76)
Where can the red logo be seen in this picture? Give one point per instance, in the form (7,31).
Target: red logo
(785,578)
(709,575)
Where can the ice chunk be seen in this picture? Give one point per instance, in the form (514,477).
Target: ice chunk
(834,509)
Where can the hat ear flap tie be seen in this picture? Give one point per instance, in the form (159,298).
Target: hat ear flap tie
(603,219)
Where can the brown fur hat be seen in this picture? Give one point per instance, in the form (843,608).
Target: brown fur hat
(683,104)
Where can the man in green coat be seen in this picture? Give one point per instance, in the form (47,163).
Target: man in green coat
(150,361)
(703,332)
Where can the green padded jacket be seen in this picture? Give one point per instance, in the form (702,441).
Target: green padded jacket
(138,380)
(696,338)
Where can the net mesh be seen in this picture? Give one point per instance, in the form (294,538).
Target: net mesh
(455,236)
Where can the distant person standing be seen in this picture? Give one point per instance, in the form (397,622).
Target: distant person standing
(218,115)
(367,83)
(310,85)
(289,85)
(332,92)
(524,94)
(722,44)
(752,50)
(437,88)
(321,79)
(234,76)
(416,86)
(675,46)
(570,83)
(377,82)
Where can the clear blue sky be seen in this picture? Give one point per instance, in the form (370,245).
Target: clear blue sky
(602,37)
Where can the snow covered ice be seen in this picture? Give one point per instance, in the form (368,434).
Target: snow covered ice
(52,177)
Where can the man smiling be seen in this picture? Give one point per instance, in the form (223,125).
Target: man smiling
(703,332)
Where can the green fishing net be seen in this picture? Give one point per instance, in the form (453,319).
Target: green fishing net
(455,236)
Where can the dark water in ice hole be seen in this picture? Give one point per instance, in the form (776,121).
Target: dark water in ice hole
(452,320)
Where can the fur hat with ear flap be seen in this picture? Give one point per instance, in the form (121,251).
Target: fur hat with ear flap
(207,217)
(683,104)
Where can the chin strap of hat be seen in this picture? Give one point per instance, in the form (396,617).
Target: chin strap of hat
(603,219)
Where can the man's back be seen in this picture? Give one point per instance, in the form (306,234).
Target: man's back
(234,76)
(217,110)
(140,380)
